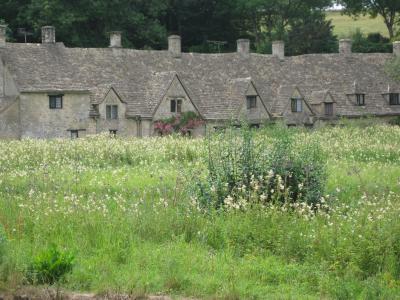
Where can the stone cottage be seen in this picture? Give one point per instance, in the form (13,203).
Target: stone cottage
(48,90)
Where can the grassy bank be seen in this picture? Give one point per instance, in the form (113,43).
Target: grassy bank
(123,208)
(346,25)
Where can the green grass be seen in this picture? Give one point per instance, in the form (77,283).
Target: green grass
(345,25)
(123,208)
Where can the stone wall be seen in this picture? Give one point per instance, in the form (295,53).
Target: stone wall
(39,121)
(9,120)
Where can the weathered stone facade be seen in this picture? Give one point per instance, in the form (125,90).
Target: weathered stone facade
(48,90)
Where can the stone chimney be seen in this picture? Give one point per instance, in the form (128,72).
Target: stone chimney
(278,49)
(175,46)
(48,35)
(3,29)
(345,46)
(396,48)
(243,47)
(115,39)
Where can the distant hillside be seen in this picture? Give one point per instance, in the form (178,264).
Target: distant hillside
(345,25)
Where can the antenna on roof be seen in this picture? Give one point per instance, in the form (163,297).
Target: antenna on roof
(217,44)
(23,32)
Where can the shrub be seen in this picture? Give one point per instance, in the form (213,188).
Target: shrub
(50,266)
(372,43)
(395,121)
(245,168)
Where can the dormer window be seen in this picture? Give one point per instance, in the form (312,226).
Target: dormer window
(251,102)
(394,99)
(328,109)
(297,104)
(176,105)
(112,112)
(55,101)
(360,99)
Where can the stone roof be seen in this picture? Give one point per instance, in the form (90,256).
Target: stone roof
(216,83)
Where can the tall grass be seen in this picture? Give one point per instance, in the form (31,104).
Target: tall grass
(124,209)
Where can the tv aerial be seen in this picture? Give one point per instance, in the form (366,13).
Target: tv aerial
(217,44)
(23,32)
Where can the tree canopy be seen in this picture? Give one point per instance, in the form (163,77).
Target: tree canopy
(389,10)
(147,23)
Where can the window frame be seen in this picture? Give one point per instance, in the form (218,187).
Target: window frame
(251,102)
(176,106)
(298,106)
(360,99)
(74,134)
(111,112)
(396,97)
(113,132)
(173,105)
(328,112)
(53,101)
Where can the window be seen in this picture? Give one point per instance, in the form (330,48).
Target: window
(297,105)
(56,101)
(176,105)
(394,99)
(360,99)
(112,112)
(74,134)
(329,109)
(113,132)
(251,102)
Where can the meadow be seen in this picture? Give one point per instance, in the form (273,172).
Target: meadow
(125,210)
(345,26)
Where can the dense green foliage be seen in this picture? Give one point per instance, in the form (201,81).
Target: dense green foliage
(146,23)
(50,266)
(123,207)
(372,43)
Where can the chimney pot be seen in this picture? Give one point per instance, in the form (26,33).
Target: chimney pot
(243,47)
(396,48)
(115,39)
(3,29)
(48,35)
(175,46)
(345,46)
(278,49)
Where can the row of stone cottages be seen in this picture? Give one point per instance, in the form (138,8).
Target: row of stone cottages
(48,90)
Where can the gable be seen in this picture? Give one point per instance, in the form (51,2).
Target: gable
(255,115)
(175,91)
(303,117)
(329,98)
(251,90)
(112,97)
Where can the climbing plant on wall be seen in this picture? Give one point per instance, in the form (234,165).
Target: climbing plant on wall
(182,123)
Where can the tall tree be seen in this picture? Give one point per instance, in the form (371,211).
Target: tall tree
(86,22)
(311,34)
(389,10)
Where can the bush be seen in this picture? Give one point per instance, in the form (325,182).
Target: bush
(50,266)
(395,121)
(245,168)
(372,43)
